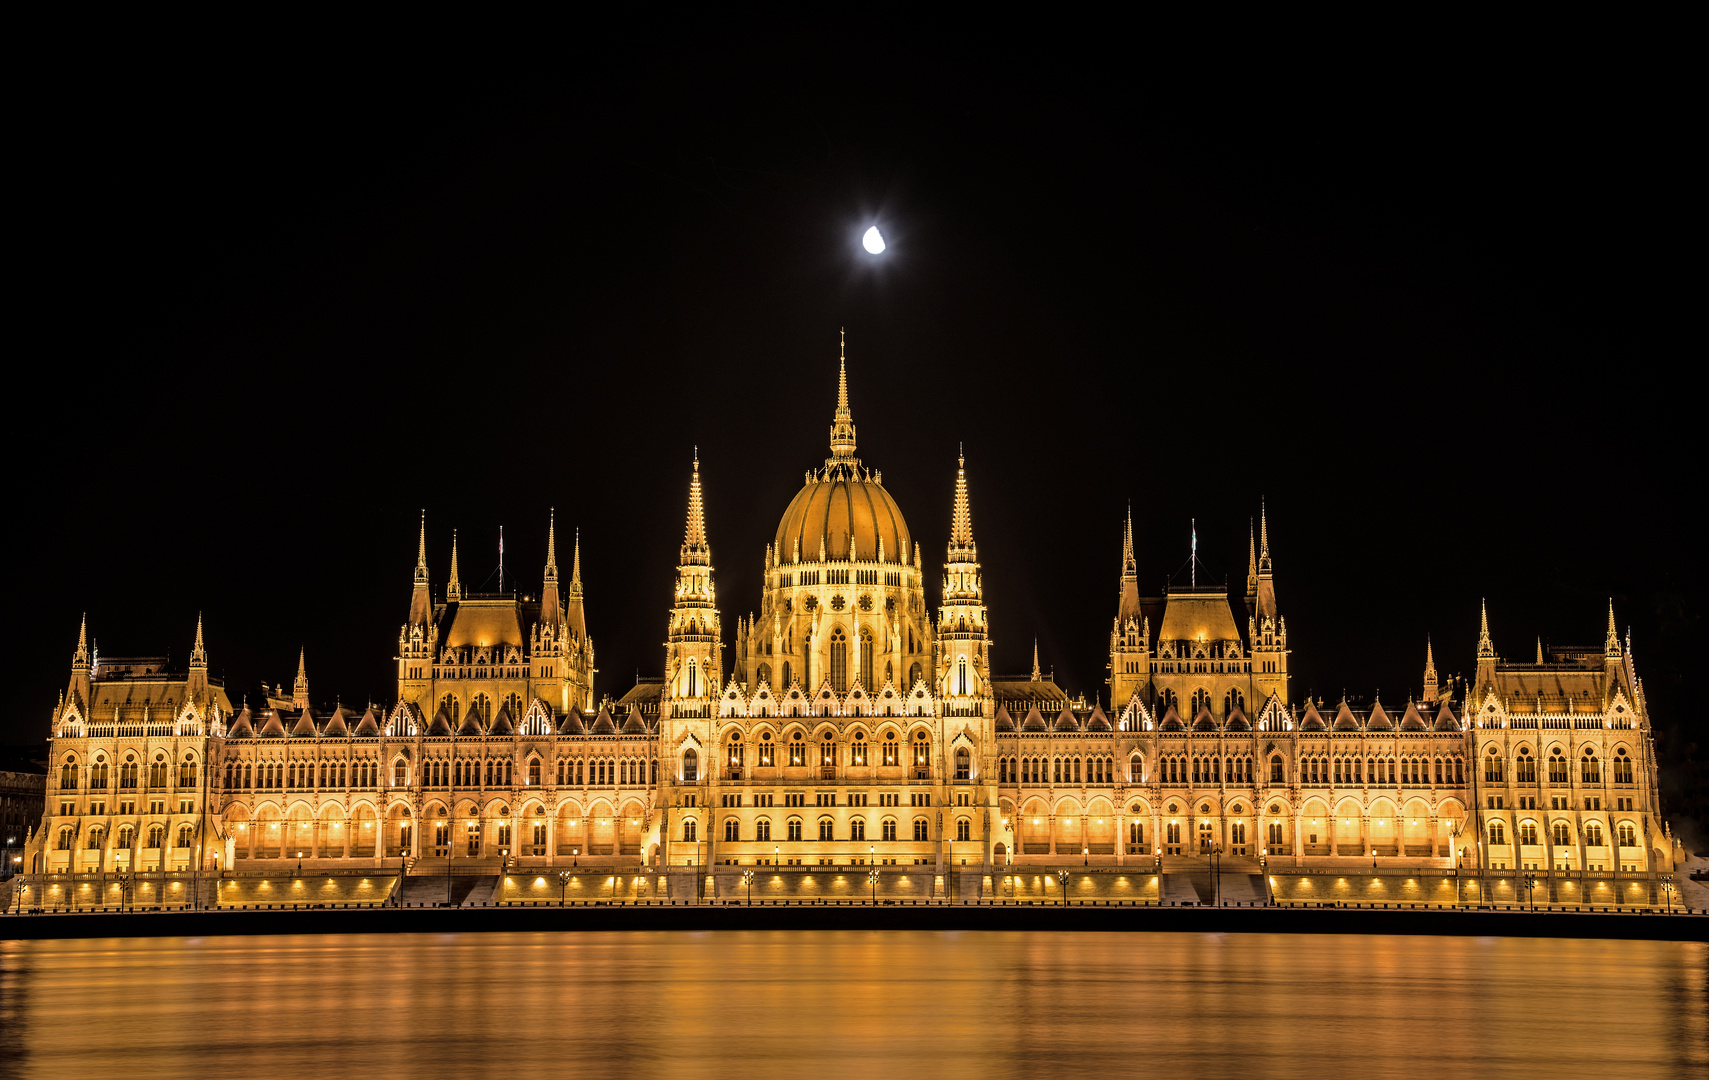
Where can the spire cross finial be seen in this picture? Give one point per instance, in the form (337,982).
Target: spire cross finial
(576,565)
(842,426)
(961,524)
(421,548)
(552,537)
(1035,658)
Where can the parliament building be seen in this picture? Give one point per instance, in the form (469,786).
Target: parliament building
(853,734)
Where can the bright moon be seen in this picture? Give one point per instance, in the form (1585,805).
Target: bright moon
(872,241)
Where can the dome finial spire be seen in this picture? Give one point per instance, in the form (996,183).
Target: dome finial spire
(842,426)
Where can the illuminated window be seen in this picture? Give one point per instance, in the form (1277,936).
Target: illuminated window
(839,661)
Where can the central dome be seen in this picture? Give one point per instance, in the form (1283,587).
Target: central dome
(837,504)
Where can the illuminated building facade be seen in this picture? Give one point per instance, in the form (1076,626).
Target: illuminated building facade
(851,724)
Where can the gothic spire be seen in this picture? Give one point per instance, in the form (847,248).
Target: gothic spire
(198,654)
(1486,648)
(694,537)
(1263,539)
(842,426)
(454,587)
(81,656)
(1611,647)
(961,523)
(1035,660)
(1430,682)
(1129,567)
(550,612)
(576,567)
(300,688)
(421,601)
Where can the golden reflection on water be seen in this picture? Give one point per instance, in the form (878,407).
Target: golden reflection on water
(857,1004)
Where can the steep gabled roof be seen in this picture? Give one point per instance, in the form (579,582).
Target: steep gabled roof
(1445,718)
(502,724)
(572,724)
(368,726)
(471,721)
(603,724)
(441,725)
(1067,721)
(241,728)
(304,728)
(1003,721)
(1171,720)
(1378,720)
(1204,721)
(1033,721)
(271,726)
(1098,721)
(1344,719)
(634,725)
(1410,720)
(1311,719)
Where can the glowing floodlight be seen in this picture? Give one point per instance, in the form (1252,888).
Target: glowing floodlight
(872,241)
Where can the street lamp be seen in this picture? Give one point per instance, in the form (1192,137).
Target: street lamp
(872,874)
(748,880)
(564,887)
(1085,856)
(1667,888)
(1263,859)
(1062,883)
(1215,852)
(1530,893)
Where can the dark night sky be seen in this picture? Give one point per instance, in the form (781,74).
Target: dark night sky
(1427,315)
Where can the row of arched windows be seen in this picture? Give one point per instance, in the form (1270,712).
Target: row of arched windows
(1561,833)
(794,830)
(1096,769)
(301,775)
(1525,767)
(607,772)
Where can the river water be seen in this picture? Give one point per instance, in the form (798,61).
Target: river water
(812,1006)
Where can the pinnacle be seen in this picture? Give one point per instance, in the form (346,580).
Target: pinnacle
(961,523)
(83,632)
(302,659)
(842,426)
(695,535)
(421,548)
(552,538)
(576,564)
(1129,567)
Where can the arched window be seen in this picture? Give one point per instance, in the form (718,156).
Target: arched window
(920,829)
(892,752)
(963,829)
(839,660)
(533,772)
(857,749)
(797,749)
(688,831)
(768,750)
(857,829)
(68,775)
(1628,835)
(866,651)
(1492,766)
(184,834)
(763,675)
(1497,833)
(690,766)
(1593,834)
(961,675)
(1527,832)
(1136,769)
(1525,766)
(762,829)
(1622,768)
(1590,768)
(124,837)
(887,831)
(827,753)
(963,764)
(693,688)
(793,834)
(1563,833)
(922,751)
(825,827)
(1557,768)
(157,836)
(400,773)
(732,830)
(735,753)
(786,676)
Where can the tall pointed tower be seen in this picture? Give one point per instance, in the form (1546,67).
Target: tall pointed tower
(77,694)
(1268,630)
(578,655)
(694,660)
(1432,689)
(1486,657)
(419,635)
(964,647)
(300,688)
(196,686)
(1130,664)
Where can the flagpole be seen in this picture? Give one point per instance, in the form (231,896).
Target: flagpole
(501,558)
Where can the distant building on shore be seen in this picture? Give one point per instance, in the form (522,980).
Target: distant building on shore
(847,724)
